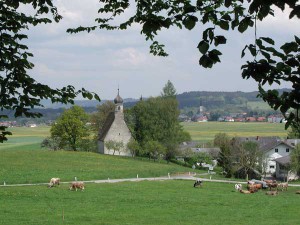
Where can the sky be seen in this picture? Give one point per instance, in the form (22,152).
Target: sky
(102,61)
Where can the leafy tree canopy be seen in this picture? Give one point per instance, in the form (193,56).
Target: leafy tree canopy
(98,118)
(269,64)
(19,91)
(169,90)
(71,128)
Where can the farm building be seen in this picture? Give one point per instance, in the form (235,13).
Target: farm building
(272,148)
(115,129)
(283,169)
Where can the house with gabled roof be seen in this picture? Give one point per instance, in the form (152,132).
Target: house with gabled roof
(283,169)
(115,129)
(272,148)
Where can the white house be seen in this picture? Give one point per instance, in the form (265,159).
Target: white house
(274,151)
(273,148)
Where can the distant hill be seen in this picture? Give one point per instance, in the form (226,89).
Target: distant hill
(218,103)
(208,99)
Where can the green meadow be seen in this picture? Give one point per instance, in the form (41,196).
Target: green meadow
(146,202)
(23,161)
(206,131)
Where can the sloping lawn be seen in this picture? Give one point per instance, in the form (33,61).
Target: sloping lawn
(24,165)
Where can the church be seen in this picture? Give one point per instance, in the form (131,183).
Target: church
(115,129)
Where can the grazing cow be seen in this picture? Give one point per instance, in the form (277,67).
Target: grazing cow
(272,185)
(238,187)
(54,181)
(297,192)
(198,183)
(245,192)
(272,193)
(77,185)
(283,186)
(254,187)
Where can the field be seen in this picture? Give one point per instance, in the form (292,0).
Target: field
(204,132)
(146,202)
(169,202)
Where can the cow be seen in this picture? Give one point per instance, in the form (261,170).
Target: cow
(272,193)
(198,183)
(77,185)
(283,186)
(273,185)
(254,187)
(53,182)
(245,192)
(238,187)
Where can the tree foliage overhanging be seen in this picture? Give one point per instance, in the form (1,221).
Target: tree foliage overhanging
(269,65)
(19,91)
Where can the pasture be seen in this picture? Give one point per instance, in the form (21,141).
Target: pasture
(168,202)
(28,165)
(206,131)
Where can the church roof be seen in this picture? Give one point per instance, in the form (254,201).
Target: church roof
(118,99)
(106,126)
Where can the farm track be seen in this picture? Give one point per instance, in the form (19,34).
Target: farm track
(171,177)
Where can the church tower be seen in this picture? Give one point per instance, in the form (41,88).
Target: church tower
(115,129)
(119,103)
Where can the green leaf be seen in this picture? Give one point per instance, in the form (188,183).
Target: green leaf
(243,51)
(228,3)
(219,40)
(214,55)
(268,40)
(206,62)
(224,24)
(289,47)
(297,40)
(295,12)
(203,46)
(189,22)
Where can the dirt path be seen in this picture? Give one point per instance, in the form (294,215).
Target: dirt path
(178,176)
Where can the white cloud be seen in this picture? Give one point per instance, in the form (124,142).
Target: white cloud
(102,60)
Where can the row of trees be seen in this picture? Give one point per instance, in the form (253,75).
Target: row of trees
(153,123)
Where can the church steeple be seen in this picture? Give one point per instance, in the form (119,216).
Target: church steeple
(118,102)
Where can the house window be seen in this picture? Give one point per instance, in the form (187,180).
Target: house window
(272,167)
(276,149)
(287,150)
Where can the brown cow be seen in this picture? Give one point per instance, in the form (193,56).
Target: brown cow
(254,187)
(273,185)
(77,185)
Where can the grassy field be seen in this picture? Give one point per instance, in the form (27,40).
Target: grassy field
(146,202)
(204,132)
(23,136)
(32,166)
